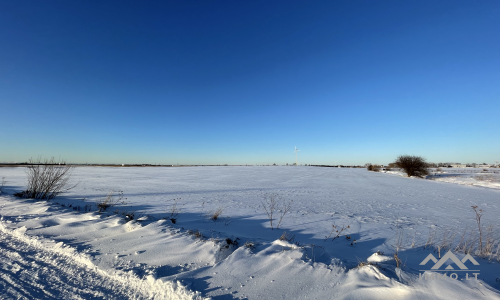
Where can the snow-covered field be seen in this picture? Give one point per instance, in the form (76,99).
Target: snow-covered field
(49,250)
(489,178)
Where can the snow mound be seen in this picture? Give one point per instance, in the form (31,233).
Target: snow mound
(377,257)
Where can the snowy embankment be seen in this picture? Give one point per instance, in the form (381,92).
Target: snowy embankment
(489,178)
(54,251)
(33,268)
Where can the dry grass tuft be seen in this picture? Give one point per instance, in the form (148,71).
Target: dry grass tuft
(109,201)
(216,215)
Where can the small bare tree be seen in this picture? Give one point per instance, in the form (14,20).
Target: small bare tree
(479,213)
(274,204)
(174,211)
(47,179)
(412,165)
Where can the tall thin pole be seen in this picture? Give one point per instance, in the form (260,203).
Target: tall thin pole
(296,150)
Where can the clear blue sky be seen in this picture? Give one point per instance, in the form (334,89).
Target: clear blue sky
(243,82)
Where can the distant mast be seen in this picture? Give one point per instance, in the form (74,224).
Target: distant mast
(296,150)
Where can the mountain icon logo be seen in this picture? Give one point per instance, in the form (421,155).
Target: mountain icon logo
(444,259)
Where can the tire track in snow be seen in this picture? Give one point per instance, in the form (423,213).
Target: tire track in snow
(32,269)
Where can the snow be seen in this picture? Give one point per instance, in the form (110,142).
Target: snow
(489,178)
(54,251)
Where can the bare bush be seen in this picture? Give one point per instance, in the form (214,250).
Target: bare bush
(216,214)
(336,232)
(374,168)
(230,243)
(274,204)
(174,211)
(110,200)
(2,184)
(196,233)
(285,236)
(362,264)
(466,242)
(487,241)
(249,245)
(47,179)
(479,213)
(413,165)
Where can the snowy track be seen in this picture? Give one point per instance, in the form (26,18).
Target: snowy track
(31,269)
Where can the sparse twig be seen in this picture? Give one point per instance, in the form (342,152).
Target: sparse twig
(479,213)
(272,204)
(109,201)
(336,232)
(2,184)
(174,211)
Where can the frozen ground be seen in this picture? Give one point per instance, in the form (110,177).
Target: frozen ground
(168,260)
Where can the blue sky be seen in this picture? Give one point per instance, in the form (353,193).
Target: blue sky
(243,82)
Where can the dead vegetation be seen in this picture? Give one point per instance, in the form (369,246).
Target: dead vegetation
(173,210)
(110,200)
(412,165)
(2,184)
(374,168)
(196,234)
(249,245)
(216,215)
(480,241)
(362,264)
(273,205)
(47,179)
(336,232)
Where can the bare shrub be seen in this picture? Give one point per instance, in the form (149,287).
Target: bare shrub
(431,238)
(413,165)
(274,204)
(336,232)
(285,236)
(362,264)
(374,168)
(249,245)
(479,213)
(137,216)
(397,259)
(216,214)
(47,179)
(109,201)
(196,233)
(174,211)
(446,241)
(489,242)
(230,243)
(467,242)
(2,184)
(398,245)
